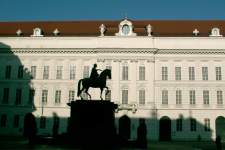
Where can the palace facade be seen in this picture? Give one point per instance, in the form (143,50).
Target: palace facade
(168,74)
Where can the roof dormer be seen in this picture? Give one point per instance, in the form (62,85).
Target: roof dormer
(125,28)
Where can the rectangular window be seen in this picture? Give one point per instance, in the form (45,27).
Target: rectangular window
(44,96)
(125,73)
(86,72)
(141,96)
(218,73)
(84,95)
(20,72)
(108,96)
(165,97)
(164,73)
(46,72)
(16,121)
(141,73)
(110,68)
(193,124)
(3,120)
(219,97)
(18,95)
(206,97)
(59,72)
(71,96)
(178,73)
(207,124)
(192,97)
(191,73)
(43,122)
(178,97)
(31,95)
(56,120)
(72,72)
(57,96)
(204,73)
(6,95)
(179,124)
(124,96)
(8,72)
(33,72)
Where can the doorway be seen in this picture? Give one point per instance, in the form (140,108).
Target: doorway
(124,126)
(165,129)
(30,125)
(220,127)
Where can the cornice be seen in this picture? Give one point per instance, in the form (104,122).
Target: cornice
(217,52)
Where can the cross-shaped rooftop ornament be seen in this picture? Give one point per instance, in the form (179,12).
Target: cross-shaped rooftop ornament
(126,16)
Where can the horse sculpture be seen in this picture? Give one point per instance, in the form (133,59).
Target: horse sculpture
(100,83)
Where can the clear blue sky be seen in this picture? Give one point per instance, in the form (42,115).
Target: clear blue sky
(54,10)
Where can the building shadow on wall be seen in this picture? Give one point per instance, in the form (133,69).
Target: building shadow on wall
(17,101)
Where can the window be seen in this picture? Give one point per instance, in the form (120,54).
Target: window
(191,73)
(178,73)
(165,97)
(20,72)
(44,96)
(33,72)
(57,96)
(207,124)
(206,97)
(179,124)
(59,72)
(56,120)
(192,97)
(164,73)
(31,95)
(124,96)
(125,73)
(18,95)
(72,72)
(8,72)
(204,73)
(193,124)
(46,72)
(6,95)
(110,68)
(178,97)
(84,95)
(126,29)
(3,120)
(71,96)
(108,96)
(141,73)
(16,121)
(219,97)
(141,96)
(86,72)
(218,73)
(43,122)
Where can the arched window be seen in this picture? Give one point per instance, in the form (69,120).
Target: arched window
(126,29)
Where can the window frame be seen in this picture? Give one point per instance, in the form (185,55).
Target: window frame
(44,97)
(108,96)
(165,97)
(178,73)
(141,72)
(205,73)
(86,72)
(164,73)
(71,96)
(218,74)
(3,120)
(206,97)
(33,70)
(8,72)
(20,72)
(125,73)
(193,124)
(219,95)
(192,73)
(16,121)
(124,96)
(46,72)
(72,72)
(179,124)
(141,96)
(58,96)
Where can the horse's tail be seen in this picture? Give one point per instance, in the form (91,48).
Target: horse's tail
(78,91)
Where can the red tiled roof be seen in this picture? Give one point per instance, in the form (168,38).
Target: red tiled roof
(160,27)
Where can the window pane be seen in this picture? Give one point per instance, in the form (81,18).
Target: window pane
(33,72)
(124,96)
(86,72)
(178,73)
(164,73)
(72,72)
(141,96)
(191,73)
(125,73)
(44,96)
(59,72)
(71,96)
(20,72)
(8,72)
(165,97)
(141,73)
(6,95)
(57,96)
(46,72)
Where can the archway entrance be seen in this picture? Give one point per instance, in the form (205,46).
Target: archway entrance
(124,126)
(30,125)
(165,129)
(220,127)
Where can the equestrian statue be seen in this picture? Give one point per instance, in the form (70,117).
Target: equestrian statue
(95,81)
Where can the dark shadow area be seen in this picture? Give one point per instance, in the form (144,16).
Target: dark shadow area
(17,96)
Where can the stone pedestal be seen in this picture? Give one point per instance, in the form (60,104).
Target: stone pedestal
(92,119)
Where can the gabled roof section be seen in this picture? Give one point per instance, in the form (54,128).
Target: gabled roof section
(91,28)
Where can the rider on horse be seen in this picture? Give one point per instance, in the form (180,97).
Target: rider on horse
(94,74)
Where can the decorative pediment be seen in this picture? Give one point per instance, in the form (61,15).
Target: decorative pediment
(215,32)
(126,28)
(124,87)
(37,32)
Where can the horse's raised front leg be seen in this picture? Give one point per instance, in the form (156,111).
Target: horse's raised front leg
(86,91)
(81,94)
(107,92)
(101,94)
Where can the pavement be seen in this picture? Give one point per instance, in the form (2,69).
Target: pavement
(7,142)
